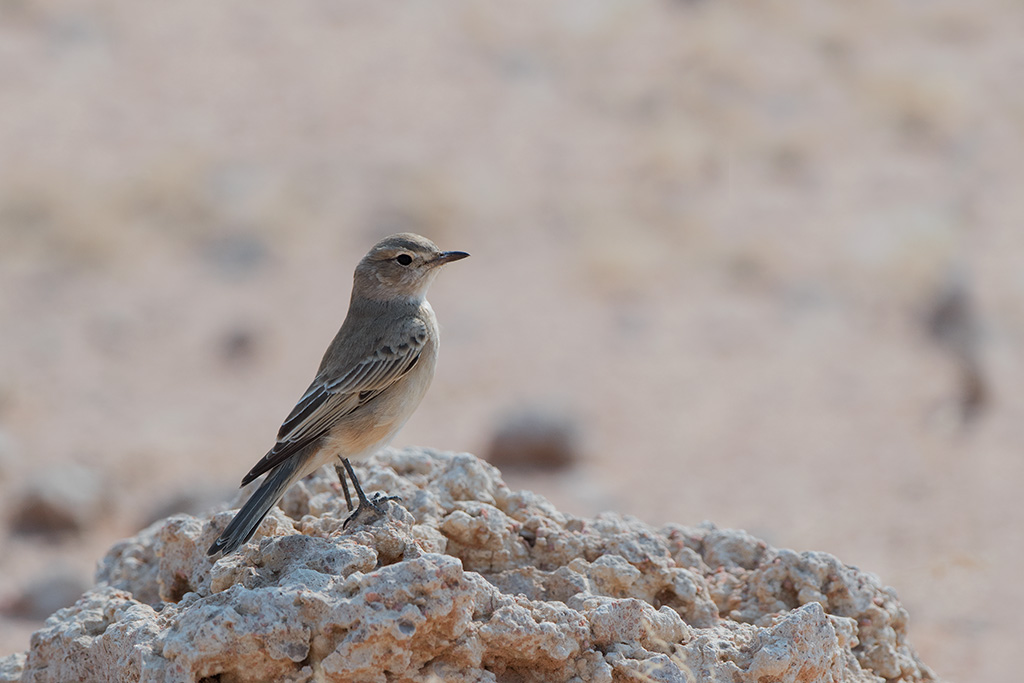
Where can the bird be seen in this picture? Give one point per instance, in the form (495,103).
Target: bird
(372,377)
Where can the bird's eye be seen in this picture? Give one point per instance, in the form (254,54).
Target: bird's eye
(404,259)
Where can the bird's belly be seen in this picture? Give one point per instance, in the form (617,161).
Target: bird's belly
(372,426)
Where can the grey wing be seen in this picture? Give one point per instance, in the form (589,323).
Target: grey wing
(332,396)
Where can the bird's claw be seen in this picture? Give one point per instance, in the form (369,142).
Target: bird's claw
(370,508)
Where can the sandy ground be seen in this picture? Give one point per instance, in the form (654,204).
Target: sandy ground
(711,232)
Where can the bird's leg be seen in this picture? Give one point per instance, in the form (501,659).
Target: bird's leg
(344,485)
(364,502)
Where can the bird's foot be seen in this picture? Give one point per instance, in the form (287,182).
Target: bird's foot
(369,509)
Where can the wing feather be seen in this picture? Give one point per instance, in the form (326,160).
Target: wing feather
(334,395)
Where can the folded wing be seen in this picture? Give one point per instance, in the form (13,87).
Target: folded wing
(338,392)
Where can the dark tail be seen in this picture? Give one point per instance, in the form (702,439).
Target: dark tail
(248,519)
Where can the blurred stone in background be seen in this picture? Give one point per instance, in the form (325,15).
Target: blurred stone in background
(953,323)
(57,587)
(537,438)
(239,345)
(60,501)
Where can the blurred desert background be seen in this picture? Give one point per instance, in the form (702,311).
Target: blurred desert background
(761,263)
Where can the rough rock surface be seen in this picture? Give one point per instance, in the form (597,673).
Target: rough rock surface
(468,581)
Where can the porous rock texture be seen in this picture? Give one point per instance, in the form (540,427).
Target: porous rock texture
(467,580)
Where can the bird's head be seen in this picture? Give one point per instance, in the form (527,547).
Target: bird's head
(400,268)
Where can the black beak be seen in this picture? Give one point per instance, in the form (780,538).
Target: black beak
(448,257)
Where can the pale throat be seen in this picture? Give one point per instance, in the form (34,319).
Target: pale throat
(416,296)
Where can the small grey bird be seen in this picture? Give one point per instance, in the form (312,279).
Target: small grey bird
(372,377)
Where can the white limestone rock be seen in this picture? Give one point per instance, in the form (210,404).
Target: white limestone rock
(468,582)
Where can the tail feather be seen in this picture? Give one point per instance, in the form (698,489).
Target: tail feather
(248,518)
